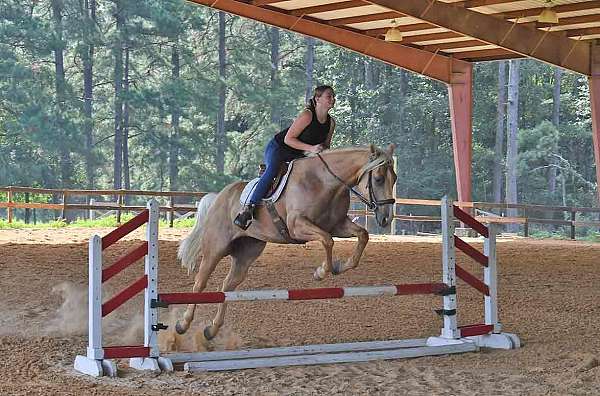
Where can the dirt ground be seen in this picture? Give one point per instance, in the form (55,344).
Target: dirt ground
(549,296)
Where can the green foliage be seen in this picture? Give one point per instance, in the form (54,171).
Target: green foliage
(592,237)
(43,143)
(4,224)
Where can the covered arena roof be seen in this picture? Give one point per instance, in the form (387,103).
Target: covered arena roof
(436,32)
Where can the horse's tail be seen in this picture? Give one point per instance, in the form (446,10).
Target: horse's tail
(190,248)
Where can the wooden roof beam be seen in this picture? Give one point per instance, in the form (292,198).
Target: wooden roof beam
(495,57)
(401,28)
(452,45)
(542,45)
(450,35)
(436,66)
(582,32)
(263,2)
(481,3)
(429,37)
(506,15)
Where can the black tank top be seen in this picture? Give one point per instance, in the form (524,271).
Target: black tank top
(315,133)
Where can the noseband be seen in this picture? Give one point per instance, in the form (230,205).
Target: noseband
(372,202)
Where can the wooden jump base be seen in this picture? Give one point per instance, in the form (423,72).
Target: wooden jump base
(453,338)
(315,354)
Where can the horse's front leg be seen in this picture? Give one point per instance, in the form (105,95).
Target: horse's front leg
(347,229)
(305,230)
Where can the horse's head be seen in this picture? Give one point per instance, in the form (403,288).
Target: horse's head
(377,182)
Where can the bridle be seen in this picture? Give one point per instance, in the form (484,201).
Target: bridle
(372,202)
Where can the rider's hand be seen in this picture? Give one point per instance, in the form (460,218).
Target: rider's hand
(317,148)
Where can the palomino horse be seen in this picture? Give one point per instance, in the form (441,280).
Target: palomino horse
(314,206)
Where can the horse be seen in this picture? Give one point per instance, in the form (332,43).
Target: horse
(314,205)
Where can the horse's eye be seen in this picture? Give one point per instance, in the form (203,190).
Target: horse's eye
(378,179)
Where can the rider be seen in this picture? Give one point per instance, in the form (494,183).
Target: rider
(311,132)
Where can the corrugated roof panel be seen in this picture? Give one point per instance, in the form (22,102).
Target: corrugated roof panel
(443,41)
(426,31)
(294,4)
(575,26)
(521,5)
(350,12)
(478,48)
(385,23)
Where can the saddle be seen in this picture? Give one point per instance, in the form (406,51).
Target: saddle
(277,185)
(283,169)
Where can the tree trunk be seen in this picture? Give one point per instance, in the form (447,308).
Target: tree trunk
(220,137)
(118,105)
(500,125)
(66,168)
(275,111)
(556,121)
(512,142)
(175,114)
(310,63)
(369,80)
(88,87)
(126,175)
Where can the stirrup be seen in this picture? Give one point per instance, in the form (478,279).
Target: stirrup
(244,218)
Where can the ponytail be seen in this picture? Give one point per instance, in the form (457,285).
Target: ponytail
(312,103)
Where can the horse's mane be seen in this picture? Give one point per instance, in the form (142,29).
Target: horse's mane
(376,159)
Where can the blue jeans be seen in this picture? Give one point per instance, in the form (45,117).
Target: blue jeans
(275,155)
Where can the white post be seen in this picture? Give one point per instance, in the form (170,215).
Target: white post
(496,339)
(92,211)
(491,280)
(94,363)
(95,350)
(450,329)
(151,270)
(154,362)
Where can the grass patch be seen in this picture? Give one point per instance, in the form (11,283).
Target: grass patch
(5,225)
(592,237)
(104,222)
(547,235)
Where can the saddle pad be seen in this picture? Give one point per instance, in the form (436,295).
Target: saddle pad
(249,189)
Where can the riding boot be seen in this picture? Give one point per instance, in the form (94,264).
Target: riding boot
(244,217)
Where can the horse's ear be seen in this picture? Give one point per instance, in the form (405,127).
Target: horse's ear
(391,149)
(372,148)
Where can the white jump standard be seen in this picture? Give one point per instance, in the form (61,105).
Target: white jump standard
(453,338)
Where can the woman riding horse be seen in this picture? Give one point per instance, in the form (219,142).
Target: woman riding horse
(314,206)
(311,132)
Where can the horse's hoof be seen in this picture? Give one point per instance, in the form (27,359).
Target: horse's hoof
(207,334)
(336,267)
(319,274)
(179,329)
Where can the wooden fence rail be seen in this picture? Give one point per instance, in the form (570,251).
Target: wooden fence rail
(62,197)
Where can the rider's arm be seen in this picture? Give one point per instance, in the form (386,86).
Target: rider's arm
(299,124)
(327,143)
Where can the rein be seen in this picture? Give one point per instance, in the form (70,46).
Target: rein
(372,203)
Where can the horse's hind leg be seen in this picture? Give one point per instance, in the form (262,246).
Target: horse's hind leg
(243,253)
(206,268)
